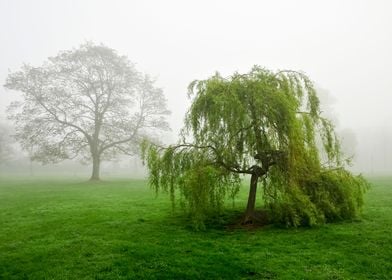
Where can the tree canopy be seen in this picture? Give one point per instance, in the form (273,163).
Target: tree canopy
(88,102)
(267,125)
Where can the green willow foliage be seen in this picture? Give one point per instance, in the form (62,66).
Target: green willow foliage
(265,124)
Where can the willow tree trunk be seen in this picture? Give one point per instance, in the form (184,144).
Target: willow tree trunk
(96,168)
(250,208)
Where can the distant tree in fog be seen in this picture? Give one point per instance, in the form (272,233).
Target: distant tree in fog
(6,149)
(327,104)
(349,142)
(88,102)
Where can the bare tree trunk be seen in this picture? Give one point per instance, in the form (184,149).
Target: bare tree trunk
(96,168)
(250,208)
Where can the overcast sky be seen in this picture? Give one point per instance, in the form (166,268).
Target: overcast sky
(344,46)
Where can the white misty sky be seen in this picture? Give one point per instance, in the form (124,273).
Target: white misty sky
(344,46)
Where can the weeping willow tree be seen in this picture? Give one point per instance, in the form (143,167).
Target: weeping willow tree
(267,125)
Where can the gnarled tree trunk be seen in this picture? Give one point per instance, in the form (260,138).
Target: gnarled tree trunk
(257,172)
(250,208)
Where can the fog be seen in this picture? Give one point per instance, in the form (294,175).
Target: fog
(343,46)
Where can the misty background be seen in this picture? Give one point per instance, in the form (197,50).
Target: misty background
(343,46)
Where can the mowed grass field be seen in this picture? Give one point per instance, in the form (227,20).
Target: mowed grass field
(65,229)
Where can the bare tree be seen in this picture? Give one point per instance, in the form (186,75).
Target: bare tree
(88,102)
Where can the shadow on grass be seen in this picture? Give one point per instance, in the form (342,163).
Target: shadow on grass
(226,221)
(230,221)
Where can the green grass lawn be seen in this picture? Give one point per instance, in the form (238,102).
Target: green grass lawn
(63,229)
